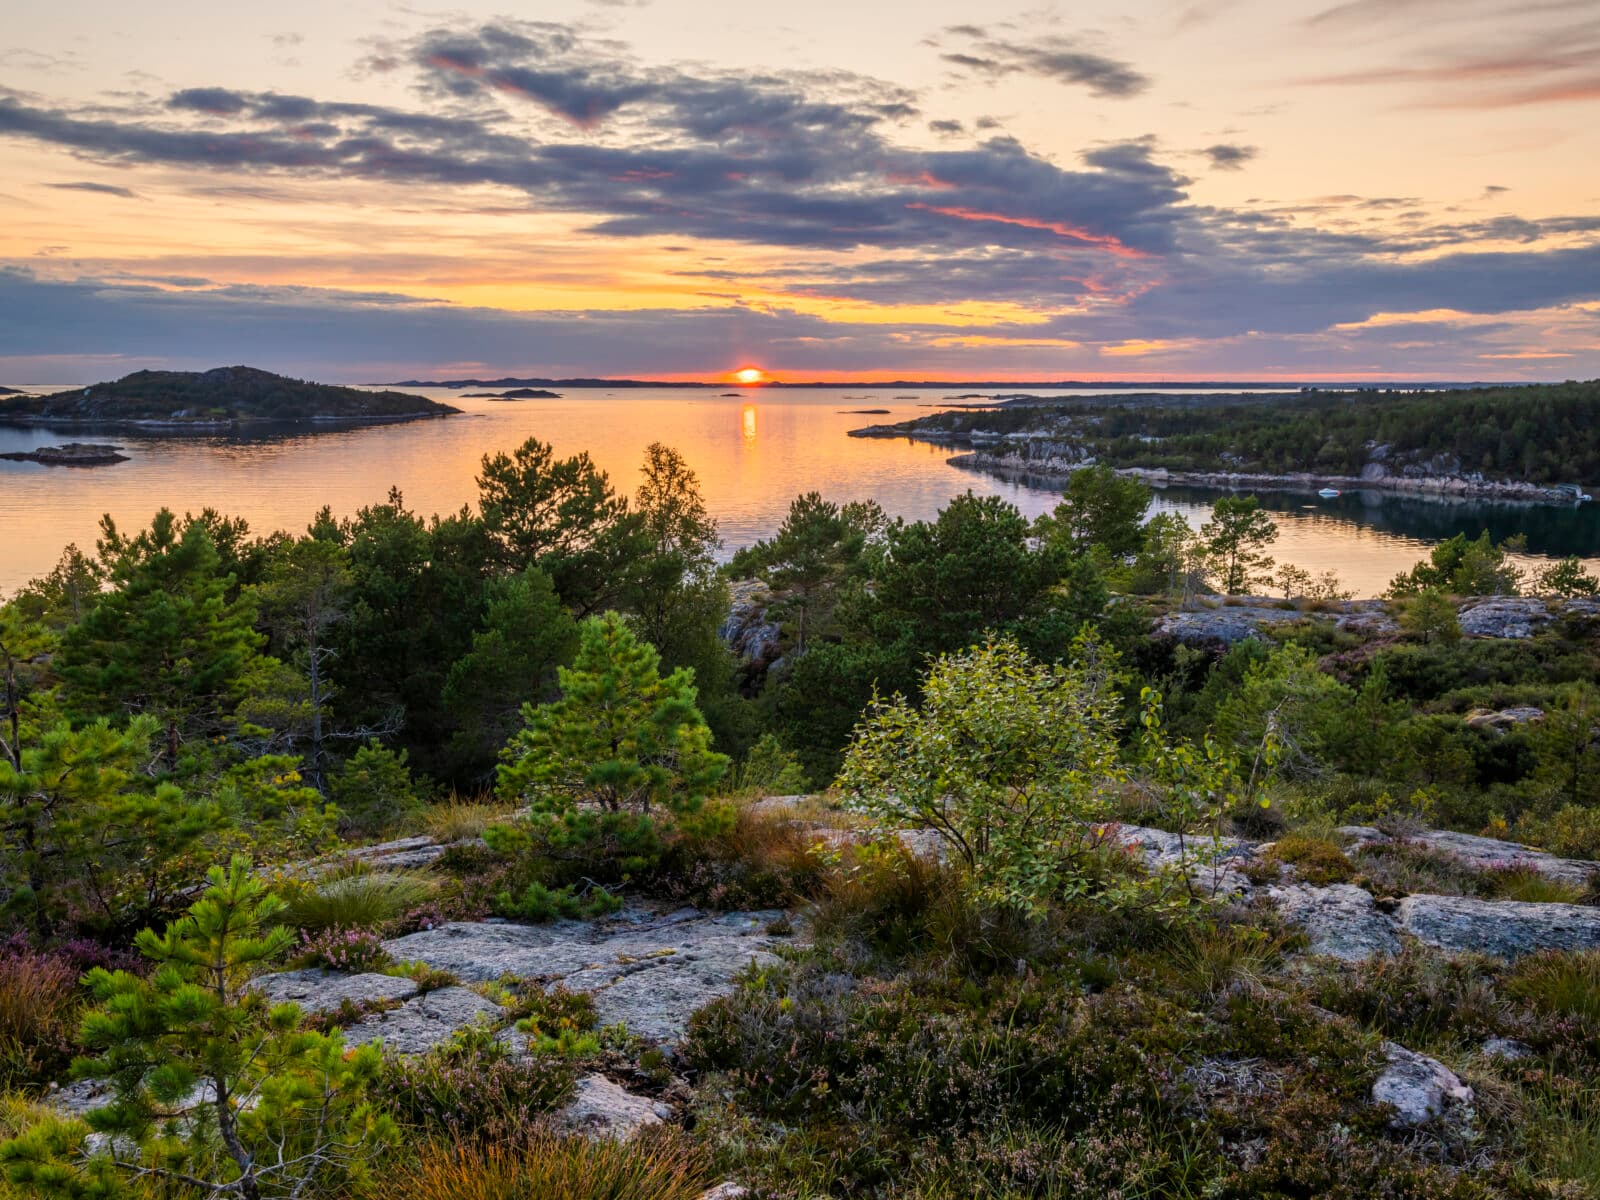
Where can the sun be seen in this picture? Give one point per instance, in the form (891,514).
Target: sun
(750,375)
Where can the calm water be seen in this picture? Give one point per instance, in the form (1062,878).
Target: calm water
(753,454)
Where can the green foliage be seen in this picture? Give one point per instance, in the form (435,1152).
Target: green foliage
(277,1108)
(621,737)
(538,903)
(525,636)
(1098,508)
(85,834)
(1232,543)
(1566,579)
(1317,860)
(1289,697)
(165,640)
(769,769)
(1460,566)
(562,516)
(1430,617)
(1007,760)
(1167,560)
(356,897)
(373,790)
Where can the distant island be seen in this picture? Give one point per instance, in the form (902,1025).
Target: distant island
(5,391)
(1534,442)
(515,394)
(195,401)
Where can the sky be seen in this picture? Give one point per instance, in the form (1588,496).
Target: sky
(1152,189)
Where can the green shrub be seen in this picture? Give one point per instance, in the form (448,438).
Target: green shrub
(373,791)
(538,903)
(1573,832)
(355,896)
(769,769)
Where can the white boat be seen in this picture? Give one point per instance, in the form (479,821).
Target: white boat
(1330,493)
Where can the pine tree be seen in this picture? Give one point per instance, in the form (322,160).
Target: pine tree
(1233,540)
(219,1091)
(165,641)
(622,737)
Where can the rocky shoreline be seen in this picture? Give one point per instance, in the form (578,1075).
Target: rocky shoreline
(1428,487)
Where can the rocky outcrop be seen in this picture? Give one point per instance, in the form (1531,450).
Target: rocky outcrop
(646,969)
(600,1108)
(72,454)
(1500,928)
(1420,1089)
(425,1022)
(317,990)
(754,640)
(1225,625)
(1342,921)
(1504,617)
(1481,853)
(1505,719)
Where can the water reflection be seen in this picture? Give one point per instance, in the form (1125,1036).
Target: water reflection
(748,480)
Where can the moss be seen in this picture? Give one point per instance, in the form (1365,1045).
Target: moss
(1316,860)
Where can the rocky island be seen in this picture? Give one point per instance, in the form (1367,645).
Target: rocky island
(72,454)
(516,394)
(219,399)
(1534,443)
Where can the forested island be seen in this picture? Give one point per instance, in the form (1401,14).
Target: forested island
(175,401)
(1537,442)
(525,851)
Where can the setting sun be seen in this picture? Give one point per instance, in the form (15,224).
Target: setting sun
(750,375)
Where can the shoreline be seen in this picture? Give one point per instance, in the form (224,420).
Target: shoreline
(159,426)
(1444,489)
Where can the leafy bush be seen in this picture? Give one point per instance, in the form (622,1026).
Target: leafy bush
(769,769)
(1572,831)
(355,896)
(1008,761)
(540,1166)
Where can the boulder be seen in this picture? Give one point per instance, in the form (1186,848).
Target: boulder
(1509,1049)
(602,1109)
(1213,864)
(317,990)
(1503,617)
(1341,920)
(1224,625)
(425,1022)
(727,1191)
(1501,928)
(647,969)
(1420,1089)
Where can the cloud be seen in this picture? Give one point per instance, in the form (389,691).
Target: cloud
(104,189)
(1225,156)
(1061,59)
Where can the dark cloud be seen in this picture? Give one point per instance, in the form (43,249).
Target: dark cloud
(1049,57)
(103,189)
(947,128)
(214,100)
(1226,156)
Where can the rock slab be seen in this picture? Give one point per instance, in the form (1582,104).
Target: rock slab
(602,1109)
(1501,928)
(318,990)
(1341,920)
(426,1022)
(647,970)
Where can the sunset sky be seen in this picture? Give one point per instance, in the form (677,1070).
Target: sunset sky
(1240,189)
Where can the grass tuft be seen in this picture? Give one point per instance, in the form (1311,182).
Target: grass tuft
(542,1166)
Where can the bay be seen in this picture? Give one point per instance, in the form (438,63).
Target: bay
(754,452)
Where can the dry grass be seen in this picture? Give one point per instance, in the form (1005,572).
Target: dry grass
(460,820)
(543,1166)
(38,1008)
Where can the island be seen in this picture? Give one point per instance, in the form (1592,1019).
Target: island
(515,394)
(5,391)
(219,399)
(1534,442)
(865,412)
(72,454)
